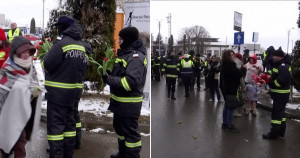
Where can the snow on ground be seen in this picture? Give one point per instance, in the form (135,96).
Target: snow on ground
(96,106)
(144,134)
(292,106)
(296,120)
(97,130)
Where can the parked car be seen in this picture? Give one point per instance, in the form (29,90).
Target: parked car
(32,37)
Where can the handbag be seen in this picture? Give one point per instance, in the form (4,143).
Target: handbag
(232,101)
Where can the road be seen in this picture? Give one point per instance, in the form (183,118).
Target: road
(191,128)
(94,145)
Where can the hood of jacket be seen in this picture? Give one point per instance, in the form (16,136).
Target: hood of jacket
(136,45)
(74,31)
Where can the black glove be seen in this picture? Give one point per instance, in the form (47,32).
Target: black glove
(104,78)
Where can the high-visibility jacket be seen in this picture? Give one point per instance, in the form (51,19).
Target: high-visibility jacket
(264,55)
(186,67)
(171,67)
(127,80)
(281,76)
(66,65)
(11,36)
(4,53)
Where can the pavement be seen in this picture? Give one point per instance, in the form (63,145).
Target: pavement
(191,128)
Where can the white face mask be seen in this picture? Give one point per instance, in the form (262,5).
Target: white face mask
(23,63)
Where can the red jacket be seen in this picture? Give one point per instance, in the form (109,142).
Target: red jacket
(4,53)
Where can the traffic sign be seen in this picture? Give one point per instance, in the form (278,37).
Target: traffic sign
(25,30)
(238,38)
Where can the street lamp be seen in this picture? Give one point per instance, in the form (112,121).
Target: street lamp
(287,50)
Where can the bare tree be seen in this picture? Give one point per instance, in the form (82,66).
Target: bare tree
(195,36)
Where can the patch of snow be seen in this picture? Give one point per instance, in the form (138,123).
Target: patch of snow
(106,90)
(292,106)
(144,134)
(97,130)
(109,132)
(296,120)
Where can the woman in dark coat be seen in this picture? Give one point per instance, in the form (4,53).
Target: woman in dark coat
(230,81)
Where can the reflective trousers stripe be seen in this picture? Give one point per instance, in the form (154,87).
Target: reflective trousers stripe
(172,76)
(78,125)
(280,91)
(133,145)
(276,122)
(283,119)
(125,84)
(55,137)
(70,134)
(121,137)
(127,99)
(63,85)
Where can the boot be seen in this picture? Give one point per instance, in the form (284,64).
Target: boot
(270,136)
(116,155)
(282,129)
(274,132)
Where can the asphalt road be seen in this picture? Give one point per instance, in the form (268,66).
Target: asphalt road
(94,145)
(191,128)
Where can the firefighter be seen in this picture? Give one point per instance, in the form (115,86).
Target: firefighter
(65,66)
(156,67)
(280,89)
(187,73)
(198,63)
(171,70)
(126,87)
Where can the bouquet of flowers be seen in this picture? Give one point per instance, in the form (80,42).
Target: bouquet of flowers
(102,69)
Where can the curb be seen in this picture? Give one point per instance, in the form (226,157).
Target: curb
(288,112)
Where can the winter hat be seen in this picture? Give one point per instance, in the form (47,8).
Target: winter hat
(129,35)
(2,35)
(246,51)
(21,43)
(239,56)
(254,58)
(186,56)
(279,52)
(271,50)
(64,22)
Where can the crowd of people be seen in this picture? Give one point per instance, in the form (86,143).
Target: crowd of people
(239,78)
(20,90)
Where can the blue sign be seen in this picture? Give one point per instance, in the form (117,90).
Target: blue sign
(238,38)
(25,30)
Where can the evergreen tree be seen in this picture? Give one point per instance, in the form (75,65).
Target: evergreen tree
(97,18)
(296,65)
(170,43)
(32,26)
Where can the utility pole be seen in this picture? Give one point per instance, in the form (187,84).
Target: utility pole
(43,14)
(159,37)
(169,20)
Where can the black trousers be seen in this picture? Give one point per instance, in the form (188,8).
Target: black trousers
(78,125)
(171,82)
(278,121)
(61,130)
(157,73)
(129,138)
(197,79)
(187,81)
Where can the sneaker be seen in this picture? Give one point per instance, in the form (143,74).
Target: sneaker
(232,129)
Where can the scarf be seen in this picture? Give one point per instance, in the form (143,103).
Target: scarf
(23,63)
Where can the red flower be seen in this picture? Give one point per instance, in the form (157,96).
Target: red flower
(34,58)
(48,39)
(37,47)
(105,59)
(41,43)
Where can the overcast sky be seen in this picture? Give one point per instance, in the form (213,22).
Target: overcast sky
(22,11)
(272,19)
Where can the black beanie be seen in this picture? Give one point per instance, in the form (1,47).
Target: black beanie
(279,52)
(64,22)
(16,43)
(129,35)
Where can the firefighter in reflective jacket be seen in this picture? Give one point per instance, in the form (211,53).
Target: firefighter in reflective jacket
(126,87)
(187,73)
(156,67)
(171,70)
(65,66)
(280,89)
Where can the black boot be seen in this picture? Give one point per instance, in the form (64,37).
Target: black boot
(282,129)
(270,136)
(116,155)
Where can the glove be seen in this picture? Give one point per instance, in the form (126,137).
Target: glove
(104,78)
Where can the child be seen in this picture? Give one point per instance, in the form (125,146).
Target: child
(253,91)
